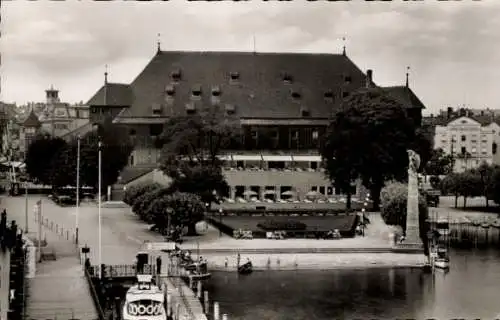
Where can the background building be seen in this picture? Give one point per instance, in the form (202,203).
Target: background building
(31,127)
(283,101)
(470,141)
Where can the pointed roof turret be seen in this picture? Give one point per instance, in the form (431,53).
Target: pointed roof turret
(158,43)
(32,121)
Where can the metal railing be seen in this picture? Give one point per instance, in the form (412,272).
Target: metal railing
(95,296)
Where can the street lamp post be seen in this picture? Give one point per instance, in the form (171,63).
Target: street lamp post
(220,222)
(365,205)
(99,208)
(26,205)
(77,187)
(169,213)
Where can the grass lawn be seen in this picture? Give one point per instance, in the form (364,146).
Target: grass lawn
(324,223)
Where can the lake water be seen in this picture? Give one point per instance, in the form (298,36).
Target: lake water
(470,290)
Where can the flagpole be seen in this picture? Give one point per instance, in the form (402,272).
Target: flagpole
(99,206)
(77,188)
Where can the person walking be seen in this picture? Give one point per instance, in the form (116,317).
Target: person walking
(158,265)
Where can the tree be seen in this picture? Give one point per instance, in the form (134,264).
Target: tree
(191,146)
(187,210)
(495,185)
(486,177)
(142,201)
(439,163)
(370,135)
(466,184)
(394,199)
(116,149)
(135,191)
(450,185)
(40,156)
(336,155)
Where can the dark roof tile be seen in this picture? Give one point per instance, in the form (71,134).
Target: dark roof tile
(32,120)
(259,92)
(117,95)
(405,95)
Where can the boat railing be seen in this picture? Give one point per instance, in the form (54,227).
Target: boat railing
(118,271)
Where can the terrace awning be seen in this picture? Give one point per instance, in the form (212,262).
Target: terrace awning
(249,157)
(306,158)
(277,158)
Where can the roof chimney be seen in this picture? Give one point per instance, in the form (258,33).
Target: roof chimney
(369,78)
(449,112)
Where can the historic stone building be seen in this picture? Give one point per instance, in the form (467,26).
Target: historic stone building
(283,101)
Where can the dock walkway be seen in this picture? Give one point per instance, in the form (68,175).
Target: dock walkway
(189,305)
(59,289)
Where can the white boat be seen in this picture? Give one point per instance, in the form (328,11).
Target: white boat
(441,259)
(144,301)
(442,263)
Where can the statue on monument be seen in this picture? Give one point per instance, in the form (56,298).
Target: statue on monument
(413,161)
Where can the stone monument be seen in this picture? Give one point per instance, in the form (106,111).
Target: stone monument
(412,240)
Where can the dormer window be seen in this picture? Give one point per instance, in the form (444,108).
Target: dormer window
(304,112)
(234,76)
(315,134)
(348,79)
(196,92)
(156,109)
(176,75)
(287,78)
(190,108)
(296,95)
(328,94)
(230,108)
(216,91)
(170,90)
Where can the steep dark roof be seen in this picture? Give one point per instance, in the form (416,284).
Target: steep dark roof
(117,95)
(261,90)
(405,95)
(32,121)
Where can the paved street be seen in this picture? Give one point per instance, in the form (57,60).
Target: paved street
(122,233)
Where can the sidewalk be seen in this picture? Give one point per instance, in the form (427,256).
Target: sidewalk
(4,283)
(59,289)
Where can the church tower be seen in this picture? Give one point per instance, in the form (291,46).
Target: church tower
(52,96)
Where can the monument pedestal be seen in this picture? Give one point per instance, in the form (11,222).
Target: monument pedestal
(412,242)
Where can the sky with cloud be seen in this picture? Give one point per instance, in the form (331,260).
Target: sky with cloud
(453,48)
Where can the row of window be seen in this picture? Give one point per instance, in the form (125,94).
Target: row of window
(273,133)
(296,95)
(273,165)
(463,150)
(234,76)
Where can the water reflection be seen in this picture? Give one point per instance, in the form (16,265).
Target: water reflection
(469,290)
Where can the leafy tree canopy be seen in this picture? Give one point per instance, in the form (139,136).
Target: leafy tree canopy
(135,191)
(191,146)
(481,181)
(368,138)
(116,149)
(40,156)
(439,163)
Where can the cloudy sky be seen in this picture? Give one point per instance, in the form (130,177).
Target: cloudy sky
(453,48)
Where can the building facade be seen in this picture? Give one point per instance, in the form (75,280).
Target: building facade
(283,102)
(469,141)
(30,129)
